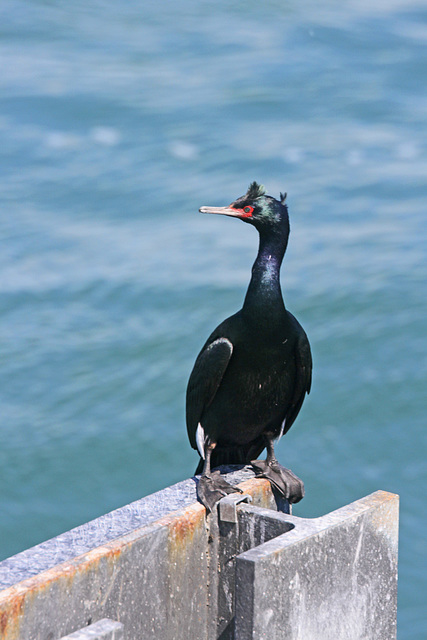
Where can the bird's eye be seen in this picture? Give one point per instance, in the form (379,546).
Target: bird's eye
(248,209)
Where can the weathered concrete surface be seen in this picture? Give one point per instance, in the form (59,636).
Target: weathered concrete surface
(102,630)
(326,578)
(146,565)
(165,571)
(235,535)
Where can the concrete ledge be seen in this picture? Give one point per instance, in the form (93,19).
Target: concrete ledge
(161,569)
(111,526)
(129,565)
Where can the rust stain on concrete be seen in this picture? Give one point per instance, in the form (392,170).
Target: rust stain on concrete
(10,617)
(15,599)
(182,526)
(260,490)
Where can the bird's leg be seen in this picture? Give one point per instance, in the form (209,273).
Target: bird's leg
(211,486)
(283,479)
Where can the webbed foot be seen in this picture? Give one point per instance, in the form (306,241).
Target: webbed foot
(212,487)
(283,479)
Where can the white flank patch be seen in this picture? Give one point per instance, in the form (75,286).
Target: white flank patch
(200,440)
(281,430)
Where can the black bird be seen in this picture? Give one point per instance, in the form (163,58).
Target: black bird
(251,376)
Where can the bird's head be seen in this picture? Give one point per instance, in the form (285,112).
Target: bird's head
(262,211)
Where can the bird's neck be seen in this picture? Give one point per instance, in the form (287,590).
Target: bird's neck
(264,296)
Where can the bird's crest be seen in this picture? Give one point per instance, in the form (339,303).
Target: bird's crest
(255,191)
(283,197)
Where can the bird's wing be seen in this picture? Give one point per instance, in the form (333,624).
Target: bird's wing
(204,381)
(304,366)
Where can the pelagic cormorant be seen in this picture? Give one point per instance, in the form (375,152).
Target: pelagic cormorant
(251,376)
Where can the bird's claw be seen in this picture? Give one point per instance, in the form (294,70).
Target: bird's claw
(289,485)
(211,488)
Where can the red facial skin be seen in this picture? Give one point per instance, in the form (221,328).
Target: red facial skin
(246,212)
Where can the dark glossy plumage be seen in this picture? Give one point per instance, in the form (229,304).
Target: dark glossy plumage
(251,376)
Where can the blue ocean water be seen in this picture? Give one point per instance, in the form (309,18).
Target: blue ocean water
(117,121)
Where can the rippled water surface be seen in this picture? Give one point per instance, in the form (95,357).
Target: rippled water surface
(117,121)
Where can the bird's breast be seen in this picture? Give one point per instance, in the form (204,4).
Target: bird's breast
(253,395)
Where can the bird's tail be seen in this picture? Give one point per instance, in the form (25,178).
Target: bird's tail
(241,454)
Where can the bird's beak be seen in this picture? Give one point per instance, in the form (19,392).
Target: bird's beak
(223,211)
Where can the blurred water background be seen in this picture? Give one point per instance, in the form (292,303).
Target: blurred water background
(117,121)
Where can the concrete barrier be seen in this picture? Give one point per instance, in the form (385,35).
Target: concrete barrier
(164,571)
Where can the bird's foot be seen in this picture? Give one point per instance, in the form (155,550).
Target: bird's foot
(211,488)
(283,479)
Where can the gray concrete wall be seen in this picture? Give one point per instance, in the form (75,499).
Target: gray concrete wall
(147,565)
(165,571)
(327,578)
